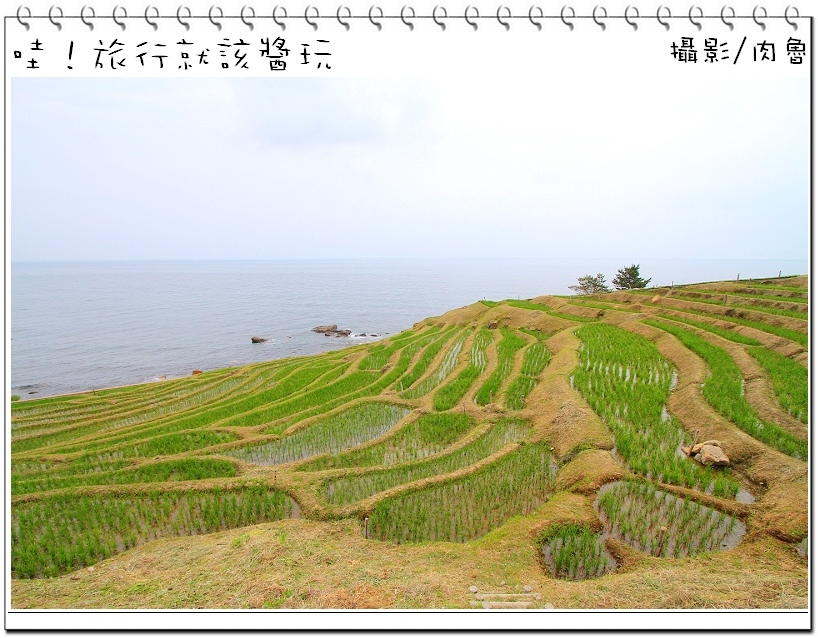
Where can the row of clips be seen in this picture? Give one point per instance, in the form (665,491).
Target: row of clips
(407,16)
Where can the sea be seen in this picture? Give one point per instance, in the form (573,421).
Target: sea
(78,326)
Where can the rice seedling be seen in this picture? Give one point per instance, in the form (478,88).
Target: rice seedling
(575,552)
(719,300)
(730,335)
(627,382)
(535,358)
(56,534)
(170,444)
(601,305)
(319,404)
(27,441)
(427,435)
(661,524)
(187,469)
(347,429)
(424,361)
(724,390)
(355,487)
(346,385)
(506,351)
(449,395)
(468,507)
(288,386)
(528,305)
(797,336)
(748,293)
(445,368)
(379,354)
(779,286)
(789,379)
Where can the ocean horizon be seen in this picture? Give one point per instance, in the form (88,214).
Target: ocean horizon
(79,326)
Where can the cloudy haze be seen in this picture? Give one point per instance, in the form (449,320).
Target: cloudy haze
(262,169)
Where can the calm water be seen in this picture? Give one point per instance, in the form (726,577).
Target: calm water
(78,326)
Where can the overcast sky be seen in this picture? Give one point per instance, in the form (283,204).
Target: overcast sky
(264,169)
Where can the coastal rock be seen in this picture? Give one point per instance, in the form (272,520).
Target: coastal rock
(332,331)
(197,372)
(712,455)
(257,339)
(326,329)
(362,334)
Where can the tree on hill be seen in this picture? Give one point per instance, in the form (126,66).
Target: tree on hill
(589,284)
(628,278)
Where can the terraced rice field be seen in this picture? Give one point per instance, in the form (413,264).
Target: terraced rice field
(501,444)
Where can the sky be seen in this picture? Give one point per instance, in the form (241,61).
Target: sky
(218,168)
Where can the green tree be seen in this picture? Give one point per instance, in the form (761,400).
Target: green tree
(628,278)
(589,284)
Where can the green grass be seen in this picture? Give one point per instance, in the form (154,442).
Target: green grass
(724,390)
(350,428)
(29,438)
(167,445)
(535,358)
(796,314)
(427,435)
(467,508)
(627,382)
(490,304)
(797,336)
(506,351)
(730,335)
(424,361)
(575,552)
(528,305)
(601,305)
(790,381)
(445,368)
(226,412)
(187,469)
(355,487)
(635,512)
(749,295)
(57,534)
(450,394)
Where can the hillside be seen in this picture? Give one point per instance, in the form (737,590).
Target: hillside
(528,448)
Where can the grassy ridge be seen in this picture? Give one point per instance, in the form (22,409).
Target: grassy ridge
(65,532)
(427,435)
(445,368)
(289,385)
(722,332)
(724,390)
(627,382)
(506,351)
(347,429)
(535,358)
(448,396)
(529,305)
(468,507)
(188,469)
(790,381)
(356,487)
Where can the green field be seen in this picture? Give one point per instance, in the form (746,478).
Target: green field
(399,473)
